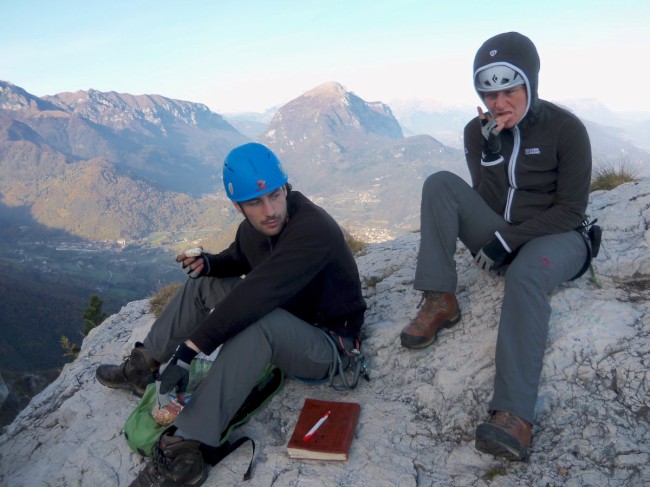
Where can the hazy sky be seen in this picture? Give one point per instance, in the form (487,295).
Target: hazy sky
(240,55)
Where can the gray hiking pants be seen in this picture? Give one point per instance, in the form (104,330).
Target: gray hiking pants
(452,210)
(280,338)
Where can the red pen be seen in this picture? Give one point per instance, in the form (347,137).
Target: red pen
(310,434)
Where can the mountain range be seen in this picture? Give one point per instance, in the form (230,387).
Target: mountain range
(112,166)
(101,173)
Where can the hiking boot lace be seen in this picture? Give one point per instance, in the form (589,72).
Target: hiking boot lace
(125,363)
(431,297)
(163,464)
(431,300)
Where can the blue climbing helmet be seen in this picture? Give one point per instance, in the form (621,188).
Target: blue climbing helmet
(250,171)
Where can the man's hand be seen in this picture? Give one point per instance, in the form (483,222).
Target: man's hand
(193,262)
(491,256)
(490,129)
(176,375)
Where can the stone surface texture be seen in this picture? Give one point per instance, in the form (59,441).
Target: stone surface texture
(420,409)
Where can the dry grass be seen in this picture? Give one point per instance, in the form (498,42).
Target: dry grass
(608,175)
(160,298)
(355,245)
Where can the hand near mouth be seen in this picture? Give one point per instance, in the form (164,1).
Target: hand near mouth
(500,120)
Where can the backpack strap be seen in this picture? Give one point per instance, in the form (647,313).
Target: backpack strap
(267,386)
(214,454)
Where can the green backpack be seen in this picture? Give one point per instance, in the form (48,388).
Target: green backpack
(142,432)
(140,429)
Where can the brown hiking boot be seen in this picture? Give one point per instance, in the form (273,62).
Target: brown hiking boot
(137,370)
(437,311)
(176,462)
(504,435)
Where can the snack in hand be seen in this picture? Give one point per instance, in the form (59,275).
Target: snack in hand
(193,252)
(166,415)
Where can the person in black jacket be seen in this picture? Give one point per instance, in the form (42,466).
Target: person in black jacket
(530,166)
(278,294)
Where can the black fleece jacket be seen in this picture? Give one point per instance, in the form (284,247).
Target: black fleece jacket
(540,184)
(307,270)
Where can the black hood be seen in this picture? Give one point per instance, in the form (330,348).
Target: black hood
(516,51)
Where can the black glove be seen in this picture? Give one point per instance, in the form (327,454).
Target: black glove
(491,139)
(491,255)
(177,373)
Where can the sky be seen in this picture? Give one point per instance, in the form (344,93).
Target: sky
(252,55)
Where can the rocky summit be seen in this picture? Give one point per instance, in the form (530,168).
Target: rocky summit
(419,411)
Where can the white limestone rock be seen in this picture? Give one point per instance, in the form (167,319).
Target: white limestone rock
(420,410)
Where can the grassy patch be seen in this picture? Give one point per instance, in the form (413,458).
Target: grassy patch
(373,281)
(608,175)
(159,299)
(494,473)
(356,246)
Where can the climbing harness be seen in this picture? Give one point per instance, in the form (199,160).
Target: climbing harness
(591,234)
(347,365)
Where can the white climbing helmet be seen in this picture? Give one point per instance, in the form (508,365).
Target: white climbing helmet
(497,77)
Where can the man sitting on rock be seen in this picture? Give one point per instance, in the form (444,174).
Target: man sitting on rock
(530,165)
(274,296)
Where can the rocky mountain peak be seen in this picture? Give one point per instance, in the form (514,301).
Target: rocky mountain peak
(330,89)
(329,138)
(419,411)
(326,129)
(15,98)
(123,110)
(330,112)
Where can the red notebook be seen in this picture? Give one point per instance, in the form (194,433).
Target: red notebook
(324,430)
